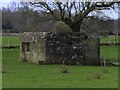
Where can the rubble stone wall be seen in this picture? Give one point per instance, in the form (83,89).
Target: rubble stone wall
(61,48)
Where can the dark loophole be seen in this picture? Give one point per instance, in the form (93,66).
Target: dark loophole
(69,42)
(85,37)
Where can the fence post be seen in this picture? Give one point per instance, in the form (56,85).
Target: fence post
(109,40)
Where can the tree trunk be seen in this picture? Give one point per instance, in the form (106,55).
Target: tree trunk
(76,26)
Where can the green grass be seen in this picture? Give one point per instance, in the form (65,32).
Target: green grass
(10,40)
(28,75)
(105,39)
(109,52)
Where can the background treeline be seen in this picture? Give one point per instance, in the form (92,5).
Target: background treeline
(18,18)
(21,18)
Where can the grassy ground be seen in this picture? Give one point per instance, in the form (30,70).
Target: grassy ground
(109,52)
(10,40)
(105,39)
(28,75)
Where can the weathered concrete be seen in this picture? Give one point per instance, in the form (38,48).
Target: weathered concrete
(58,48)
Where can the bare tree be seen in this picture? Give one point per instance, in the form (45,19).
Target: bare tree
(72,13)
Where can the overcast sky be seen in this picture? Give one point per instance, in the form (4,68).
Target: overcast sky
(111,13)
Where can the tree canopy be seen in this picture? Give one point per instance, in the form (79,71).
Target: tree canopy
(71,13)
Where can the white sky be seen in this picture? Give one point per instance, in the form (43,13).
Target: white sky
(110,13)
(5,3)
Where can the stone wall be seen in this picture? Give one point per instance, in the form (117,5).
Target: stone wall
(58,48)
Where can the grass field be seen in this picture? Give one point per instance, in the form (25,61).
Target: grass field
(10,40)
(109,52)
(105,39)
(28,75)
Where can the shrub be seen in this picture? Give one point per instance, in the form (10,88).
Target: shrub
(64,69)
(97,76)
(60,26)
